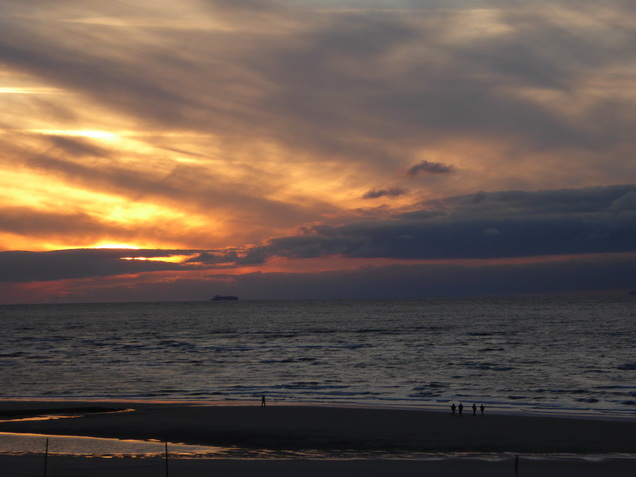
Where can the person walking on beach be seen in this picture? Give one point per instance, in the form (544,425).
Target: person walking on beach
(474,409)
(481,408)
(453,408)
(461,408)
(263,401)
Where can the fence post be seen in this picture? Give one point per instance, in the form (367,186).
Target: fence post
(166,457)
(46,455)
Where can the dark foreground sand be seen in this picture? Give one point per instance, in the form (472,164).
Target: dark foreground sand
(29,466)
(541,442)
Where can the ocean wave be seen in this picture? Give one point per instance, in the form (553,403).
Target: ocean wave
(627,367)
(587,400)
(381,331)
(288,360)
(14,354)
(487,366)
(562,391)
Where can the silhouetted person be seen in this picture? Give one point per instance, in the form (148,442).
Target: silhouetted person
(263,401)
(453,408)
(481,408)
(461,408)
(474,409)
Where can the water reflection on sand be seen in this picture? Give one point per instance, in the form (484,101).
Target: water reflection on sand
(35,444)
(18,444)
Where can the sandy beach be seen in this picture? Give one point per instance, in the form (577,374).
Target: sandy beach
(327,440)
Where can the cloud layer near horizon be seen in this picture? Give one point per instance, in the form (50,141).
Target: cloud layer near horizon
(263,129)
(584,274)
(507,224)
(589,231)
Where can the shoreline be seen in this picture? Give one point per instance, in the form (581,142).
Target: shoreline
(328,428)
(560,413)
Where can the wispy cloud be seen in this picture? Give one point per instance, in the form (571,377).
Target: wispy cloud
(377,193)
(427,167)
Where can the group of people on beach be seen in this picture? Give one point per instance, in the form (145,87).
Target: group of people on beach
(460,409)
(454,408)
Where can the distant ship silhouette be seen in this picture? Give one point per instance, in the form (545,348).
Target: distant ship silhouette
(224,298)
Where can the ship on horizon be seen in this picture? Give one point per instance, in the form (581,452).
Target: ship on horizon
(224,298)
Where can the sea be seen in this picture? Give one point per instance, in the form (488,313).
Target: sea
(562,355)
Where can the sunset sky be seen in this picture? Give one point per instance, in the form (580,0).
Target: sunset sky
(171,150)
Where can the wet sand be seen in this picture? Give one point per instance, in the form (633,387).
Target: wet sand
(454,443)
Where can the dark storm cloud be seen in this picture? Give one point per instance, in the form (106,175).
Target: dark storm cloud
(377,193)
(427,167)
(20,266)
(483,225)
(210,258)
